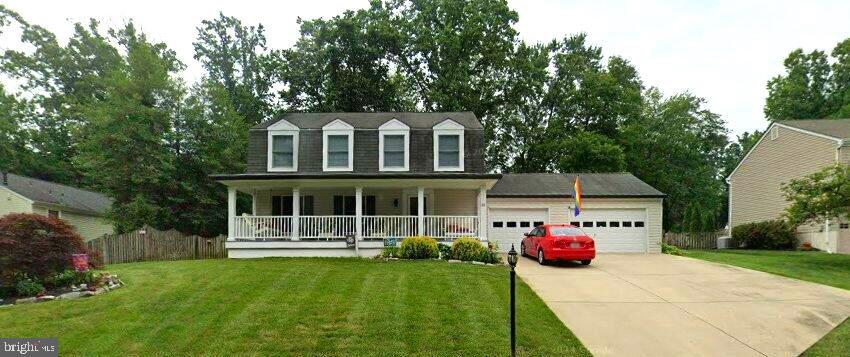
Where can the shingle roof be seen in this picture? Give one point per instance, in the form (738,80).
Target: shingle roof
(836,128)
(53,193)
(375,120)
(561,185)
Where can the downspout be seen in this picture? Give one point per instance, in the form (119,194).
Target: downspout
(826,234)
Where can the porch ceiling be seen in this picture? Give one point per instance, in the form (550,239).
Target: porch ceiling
(246,184)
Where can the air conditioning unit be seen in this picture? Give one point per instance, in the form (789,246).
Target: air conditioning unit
(724,242)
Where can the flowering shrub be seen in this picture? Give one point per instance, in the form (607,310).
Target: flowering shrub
(36,246)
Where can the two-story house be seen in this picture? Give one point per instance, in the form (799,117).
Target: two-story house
(340,184)
(317,178)
(789,150)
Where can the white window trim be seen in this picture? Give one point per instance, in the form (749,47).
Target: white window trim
(338,127)
(448,127)
(278,129)
(394,127)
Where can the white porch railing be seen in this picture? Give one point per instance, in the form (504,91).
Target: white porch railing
(338,227)
(254,227)
(451,227)
(326,227)
(378,227)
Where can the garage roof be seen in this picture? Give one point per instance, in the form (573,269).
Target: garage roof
(610,185)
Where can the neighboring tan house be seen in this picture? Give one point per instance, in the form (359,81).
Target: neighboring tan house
(340,184)
(80,208)
(788,150)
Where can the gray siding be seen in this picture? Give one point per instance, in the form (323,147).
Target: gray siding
(366,151)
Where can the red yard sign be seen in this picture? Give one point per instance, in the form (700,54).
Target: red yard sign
(80,262)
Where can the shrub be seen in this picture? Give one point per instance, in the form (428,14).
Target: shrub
(389,252)
(35,245)
(445,251)
(418,248)
(671,249)
(64,278)
(28,287)
(467,249)
(775,234)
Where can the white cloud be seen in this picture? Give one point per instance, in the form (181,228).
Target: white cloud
(724,51)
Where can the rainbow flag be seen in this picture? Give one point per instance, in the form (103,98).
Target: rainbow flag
(577,196)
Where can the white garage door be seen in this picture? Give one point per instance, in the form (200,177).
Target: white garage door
(507,225)
(615,230)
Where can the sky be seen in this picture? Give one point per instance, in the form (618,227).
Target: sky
(723,51)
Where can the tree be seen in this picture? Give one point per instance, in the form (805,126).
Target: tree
(819,196)
(677,146)
(235,56)
(811,87)
(583,93)
(585,152)
(124,151)
(342,64)
(59,80)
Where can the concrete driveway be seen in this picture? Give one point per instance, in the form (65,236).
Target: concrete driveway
(662,305)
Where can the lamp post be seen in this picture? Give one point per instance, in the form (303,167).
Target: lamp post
(512,260)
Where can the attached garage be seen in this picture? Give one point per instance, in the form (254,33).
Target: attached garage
(620,211)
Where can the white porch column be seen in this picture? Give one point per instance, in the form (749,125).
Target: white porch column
(482,214)
(296,212)
(420,208)
(358,218)
(231,213)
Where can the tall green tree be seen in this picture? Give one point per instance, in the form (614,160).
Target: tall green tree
(236,57)
(59,79)
(677,146)
(124,149)
(342,64)
(557,91)
(814,86)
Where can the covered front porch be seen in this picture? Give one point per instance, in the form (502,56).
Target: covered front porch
(351,217)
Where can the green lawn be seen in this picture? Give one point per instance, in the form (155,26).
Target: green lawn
(827,269)
(299,307)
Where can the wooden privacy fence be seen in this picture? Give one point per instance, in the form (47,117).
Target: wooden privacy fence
(699,240)
(149,244)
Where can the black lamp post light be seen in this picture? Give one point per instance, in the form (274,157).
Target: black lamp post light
(512,260)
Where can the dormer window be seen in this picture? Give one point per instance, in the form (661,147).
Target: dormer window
(448,146)
(393,146)
(338,146)
(282,147)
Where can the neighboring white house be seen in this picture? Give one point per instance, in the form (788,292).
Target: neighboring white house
(340,184)
(80,208)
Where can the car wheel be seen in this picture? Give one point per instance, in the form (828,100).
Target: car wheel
(540,258)
(585,262)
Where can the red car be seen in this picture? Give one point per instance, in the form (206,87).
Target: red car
(558,242)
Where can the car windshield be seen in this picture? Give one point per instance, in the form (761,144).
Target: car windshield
(565,231)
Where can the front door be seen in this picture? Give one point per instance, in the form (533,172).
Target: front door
(414,205)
